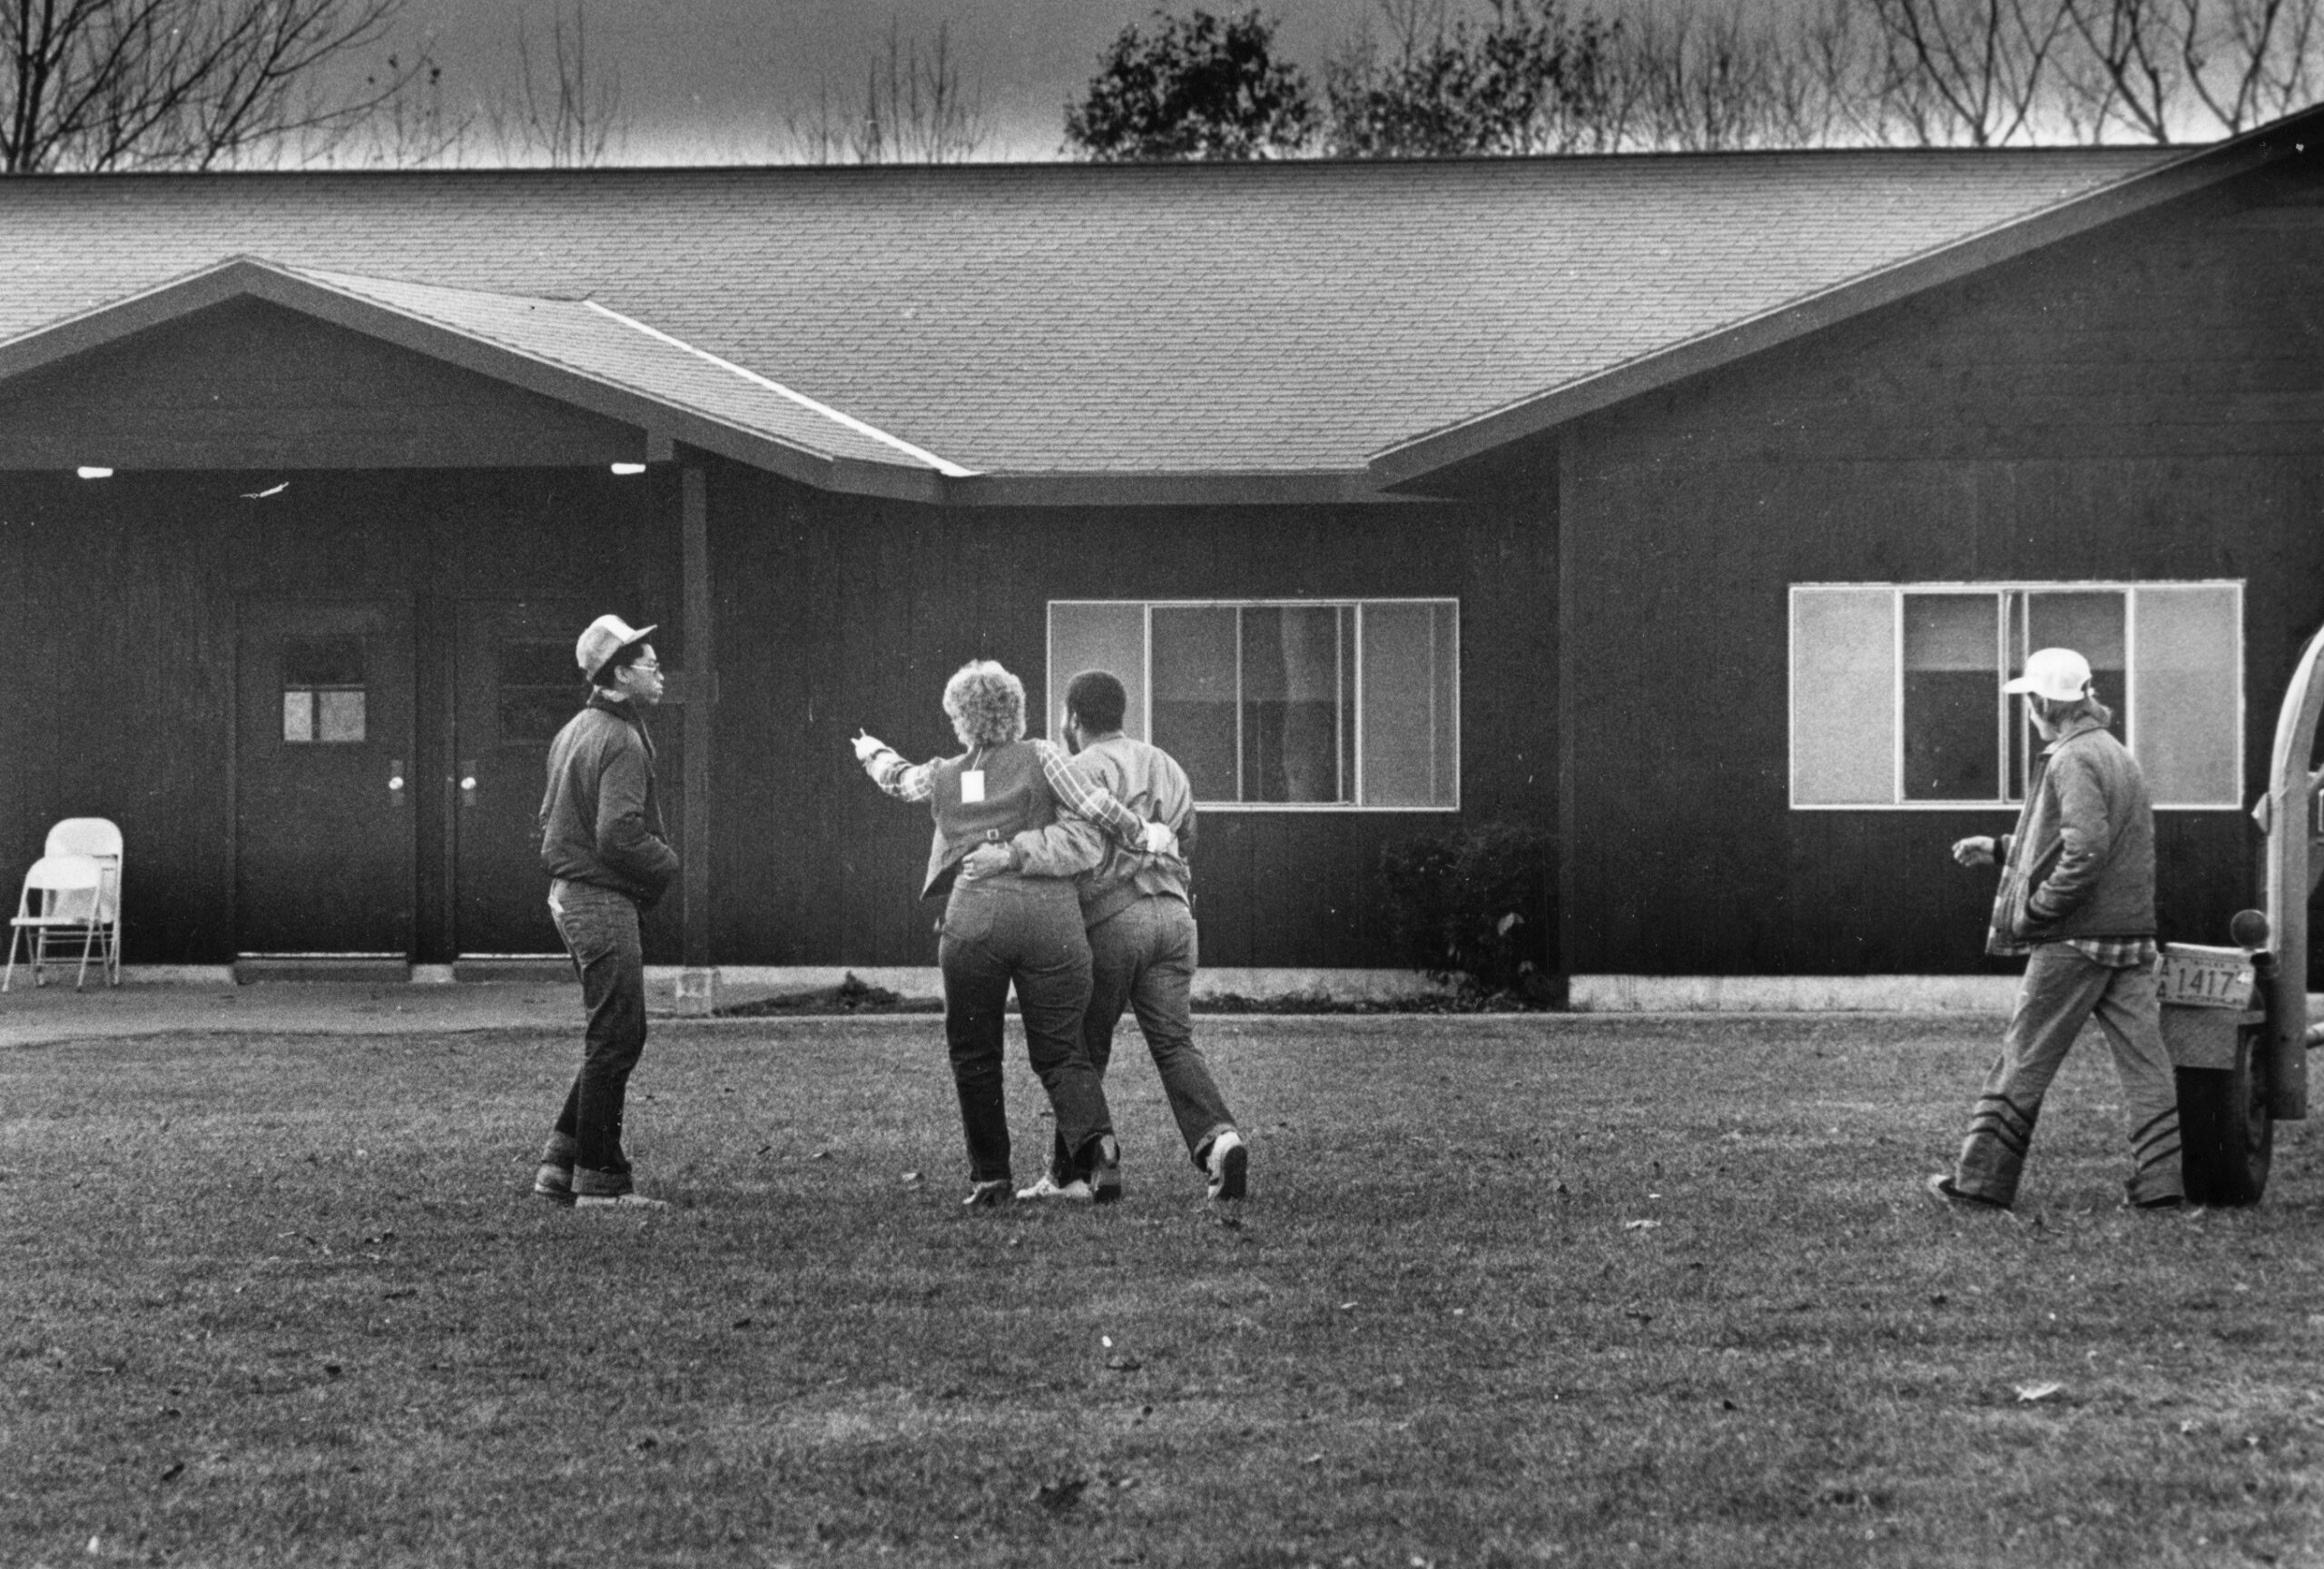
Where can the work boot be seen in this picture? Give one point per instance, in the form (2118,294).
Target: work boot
(554,1183)
(1106,1171)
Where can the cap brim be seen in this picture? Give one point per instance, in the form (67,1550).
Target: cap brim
(2023,685)
(618,649)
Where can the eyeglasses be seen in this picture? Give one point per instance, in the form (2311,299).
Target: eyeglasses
(650,666)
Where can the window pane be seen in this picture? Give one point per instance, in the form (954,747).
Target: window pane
(322,662)
(1291,703)
(1843,696)
(339,715)
(1952,697)
(1086,636)
(1408,705)
(322,688)
(2190,695)
(540,689)
(1444,625)
(531,662)
(1193,695)
(2092,622)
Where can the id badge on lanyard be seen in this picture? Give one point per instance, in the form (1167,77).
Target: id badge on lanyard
(972,786)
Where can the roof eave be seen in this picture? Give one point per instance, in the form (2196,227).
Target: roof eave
(1408,464)
(661,422)
(1173,488)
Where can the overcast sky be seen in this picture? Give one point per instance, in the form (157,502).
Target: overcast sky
(714,79)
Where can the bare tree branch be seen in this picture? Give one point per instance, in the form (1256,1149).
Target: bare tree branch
(98,84)
(1971,71)
(564,110)
(916,108)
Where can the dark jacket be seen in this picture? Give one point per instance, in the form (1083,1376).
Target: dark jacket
(2080,860)
(599,820)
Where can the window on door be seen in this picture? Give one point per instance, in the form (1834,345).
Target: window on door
(1896,694)
(324,691)
(540,689)
(1282,704)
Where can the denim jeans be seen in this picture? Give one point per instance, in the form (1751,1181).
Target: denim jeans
(1143,958)
(2063,991)
(600,930)
(1028,931)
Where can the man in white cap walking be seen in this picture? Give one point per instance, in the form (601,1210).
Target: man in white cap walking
(608,858)
(2077,899)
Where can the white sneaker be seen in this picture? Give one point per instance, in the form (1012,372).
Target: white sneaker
(1229,1162)
(1074,1192)
(621,1201)
(990,1194)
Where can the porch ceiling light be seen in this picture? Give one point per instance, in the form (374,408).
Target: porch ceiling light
(628,469)
(93,471)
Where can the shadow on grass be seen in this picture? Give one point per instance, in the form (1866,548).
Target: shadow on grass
(854,995)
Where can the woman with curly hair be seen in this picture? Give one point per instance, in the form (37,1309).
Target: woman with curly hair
(1007,927)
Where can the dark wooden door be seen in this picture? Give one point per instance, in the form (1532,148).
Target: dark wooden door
(323,793)
(515,685)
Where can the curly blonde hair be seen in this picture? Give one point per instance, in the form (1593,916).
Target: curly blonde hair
(986,705)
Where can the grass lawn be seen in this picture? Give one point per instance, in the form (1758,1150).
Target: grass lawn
(1513,1290)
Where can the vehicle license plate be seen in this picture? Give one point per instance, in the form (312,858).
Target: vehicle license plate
(2192,977)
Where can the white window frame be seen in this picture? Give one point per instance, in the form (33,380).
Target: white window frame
(2001,589)
(1054,692)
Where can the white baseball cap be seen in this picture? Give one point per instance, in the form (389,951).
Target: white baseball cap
(607,637)
(2061,674)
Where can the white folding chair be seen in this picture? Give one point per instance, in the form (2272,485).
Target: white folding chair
(100,840)
(61,898)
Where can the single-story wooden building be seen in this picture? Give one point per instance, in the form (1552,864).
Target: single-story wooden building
(1692,507)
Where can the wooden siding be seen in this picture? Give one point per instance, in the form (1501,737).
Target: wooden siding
(2141,403)
(118,610)
(118,615)
(834,614)
(248,384)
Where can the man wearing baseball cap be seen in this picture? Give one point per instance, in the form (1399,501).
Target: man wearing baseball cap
(2077,899)
(607,857)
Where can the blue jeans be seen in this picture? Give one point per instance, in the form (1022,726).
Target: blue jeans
(2063,991)
(1143,958)
(1026,931)
(599,928)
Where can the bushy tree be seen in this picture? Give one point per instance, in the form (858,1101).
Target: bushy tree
(1527,77)
(1201,87)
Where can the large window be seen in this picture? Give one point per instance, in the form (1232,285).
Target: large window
(1897,693)
(1282,703)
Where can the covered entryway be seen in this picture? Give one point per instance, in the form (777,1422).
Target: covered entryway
(335,805)
(314,547)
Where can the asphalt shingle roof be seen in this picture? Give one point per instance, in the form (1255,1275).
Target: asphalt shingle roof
(1070,318)
(591,341)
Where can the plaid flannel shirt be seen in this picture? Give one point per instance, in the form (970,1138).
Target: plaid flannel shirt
(2113,952)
